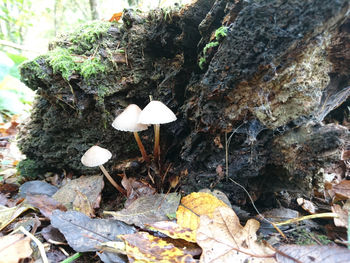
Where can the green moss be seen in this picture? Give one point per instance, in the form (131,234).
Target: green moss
(61,60)
(64,62)
(28,169)
(305,237)
(86,35)
(92,67)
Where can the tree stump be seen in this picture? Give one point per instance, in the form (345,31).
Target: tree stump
(271,77)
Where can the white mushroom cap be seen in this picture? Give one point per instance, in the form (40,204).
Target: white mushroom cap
(95,156)
(128,120)
(156,113)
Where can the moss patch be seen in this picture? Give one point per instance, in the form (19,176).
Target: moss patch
(81,56)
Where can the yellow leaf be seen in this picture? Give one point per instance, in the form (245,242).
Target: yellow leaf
(143,247)
(194,205)
(174,230)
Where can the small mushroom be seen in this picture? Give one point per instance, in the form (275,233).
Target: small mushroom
(97,156)
(156,113)
(128,121)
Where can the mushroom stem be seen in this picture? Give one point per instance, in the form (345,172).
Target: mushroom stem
(110,179)
(156,150)
(141,147)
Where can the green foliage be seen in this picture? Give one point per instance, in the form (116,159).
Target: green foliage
(91,67)
(28,169)
(15,19)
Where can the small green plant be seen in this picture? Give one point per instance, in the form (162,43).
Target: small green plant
(202,62)
(210,45)
(221,32)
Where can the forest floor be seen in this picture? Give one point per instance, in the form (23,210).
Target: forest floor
(147,226)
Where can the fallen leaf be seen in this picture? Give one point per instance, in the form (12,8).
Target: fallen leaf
(343,214)
(135,189)
(218,194)
(14,247)
(45,204)
(37,188)
(116,17)
(223,239)
(148,209)
(85,234)
(82,204)
(52,234)
(342,190)
(143,247)
(90,186)
(7,215)
(313,254)
(194,205)
(173,230)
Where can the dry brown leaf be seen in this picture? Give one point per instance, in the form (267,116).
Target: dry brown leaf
(135,188)
(173,230)
(194,205)
(82,204)
(14,247)
(223,239)
(342,219)
(143,247)
(148,209)
(45,204)
(342,190)
(90,186)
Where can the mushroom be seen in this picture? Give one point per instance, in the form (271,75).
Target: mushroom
(128,121)
(156,113)
(97,156)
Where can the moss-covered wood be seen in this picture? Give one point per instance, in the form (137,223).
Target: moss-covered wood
(266,72)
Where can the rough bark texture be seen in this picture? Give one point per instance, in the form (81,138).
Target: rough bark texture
(271,75)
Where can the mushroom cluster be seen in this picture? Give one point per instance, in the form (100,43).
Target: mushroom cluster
(132,119)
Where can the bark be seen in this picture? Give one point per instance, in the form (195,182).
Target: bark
(273,83)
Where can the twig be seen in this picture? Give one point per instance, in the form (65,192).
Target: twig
(227,144)
(294,220)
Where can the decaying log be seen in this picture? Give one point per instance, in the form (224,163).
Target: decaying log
(265,74)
